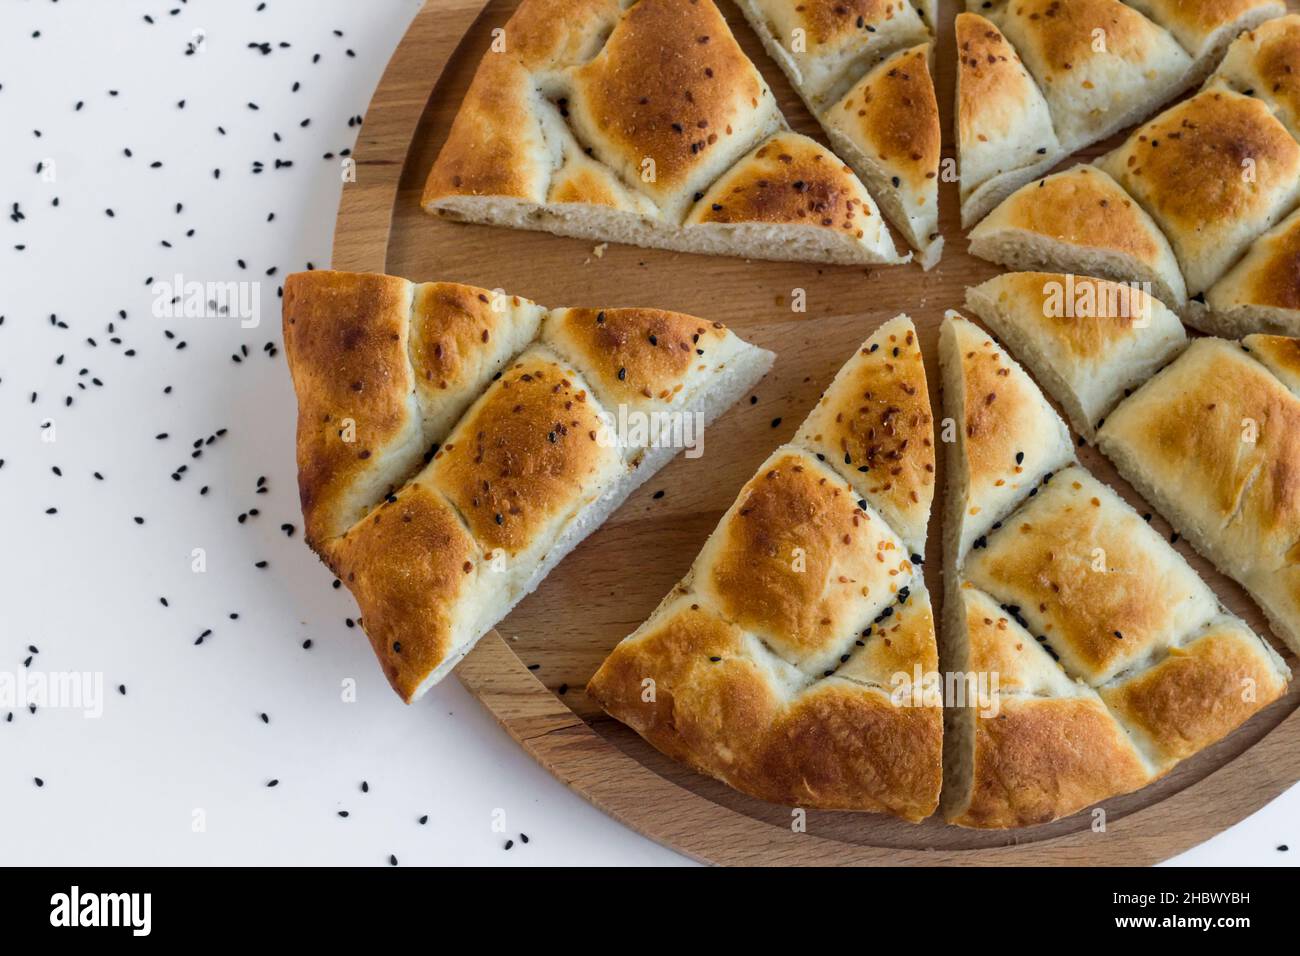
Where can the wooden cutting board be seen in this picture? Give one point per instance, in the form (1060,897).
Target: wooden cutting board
(531,673)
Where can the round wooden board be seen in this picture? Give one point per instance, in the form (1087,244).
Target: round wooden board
(532,679)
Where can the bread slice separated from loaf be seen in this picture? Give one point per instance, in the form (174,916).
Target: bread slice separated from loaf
(796,659)
(1091,656)
(1206,28)
(1090,342)
(1081,221)
(1215,172)
(1213,441)
(1262,62)
(624,122)
(1261,293)
(864,71)
(1100,64)
(454,444)
(1003,126)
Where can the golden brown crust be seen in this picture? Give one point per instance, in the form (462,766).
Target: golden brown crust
(1198,693)
(527,455)
(636,357)
(495,146)
(1085,572)
(705,97)
(798,562)
(550,34)
(844,747)
(1062,34)
(459,334)
(416,575)
(893,116)
(1263,63)
(1085,207)
(345,337)
(829,20)
(791,179)
(1195,23)
(1044,758)
(1214,172)
(1269,275)
(1280,354)
(1011,436)
(718,706)
(1190,429)
(993,82)
(875,428)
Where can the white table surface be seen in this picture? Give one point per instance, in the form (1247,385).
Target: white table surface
(186,742)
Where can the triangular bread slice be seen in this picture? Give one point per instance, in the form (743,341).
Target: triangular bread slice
(1262,62)
(796,660)
(1003,126)
(454,444)
(1211,442)
(1100,64)
(619,122)
(1080,221)
(887,128)
(1261,293)
(1151,668)
(1089,341)
(864,71)
(1215,172)
(1206,28)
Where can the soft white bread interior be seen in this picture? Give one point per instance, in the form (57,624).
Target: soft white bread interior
(454,443)
(1080,221)
(1090,342)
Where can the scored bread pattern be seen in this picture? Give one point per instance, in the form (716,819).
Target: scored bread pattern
(863,69)
(1114,660)
(1041,79)
(1200,202)
(1206,431)
(791,661)
(621,121)
(455,443)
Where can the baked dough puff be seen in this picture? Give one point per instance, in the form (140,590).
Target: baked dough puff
(1214,172)
(1003,124)
(873,426)
(801,562)
(1100,64)
(528,456)
(1263,63)
(707,106)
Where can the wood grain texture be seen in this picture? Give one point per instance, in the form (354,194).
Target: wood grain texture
(612,582)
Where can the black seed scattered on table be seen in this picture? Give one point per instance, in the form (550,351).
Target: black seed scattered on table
(423,820)
(509,844)
(365,787)
(273,783)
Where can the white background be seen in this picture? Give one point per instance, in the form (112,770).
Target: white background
(83,585)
